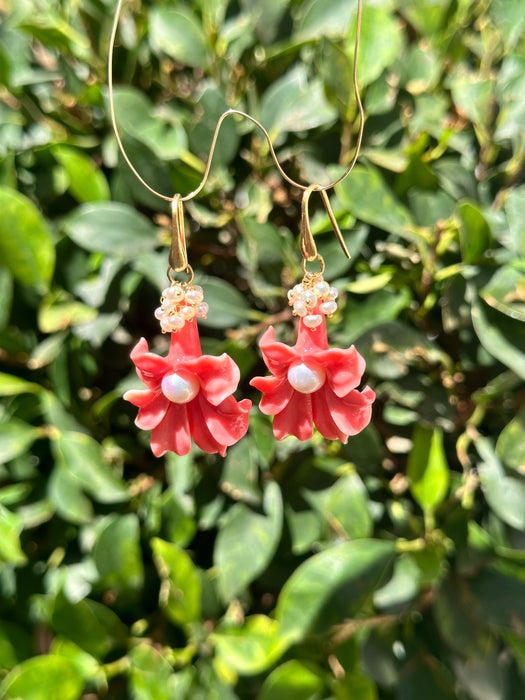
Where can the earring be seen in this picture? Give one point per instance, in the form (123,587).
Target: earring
(188,394)
(310,383)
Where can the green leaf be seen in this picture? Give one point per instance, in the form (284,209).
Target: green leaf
(329,18)
(52,677)
(10,528)
(511,443)
(240,474)
(378,307)
(82,456)
(178,34)
(15,644)
(292,103)
(502,337)
(228,307)
(292,680)
(180,593)
(86,664)
(86,182)
(427,468)
(365,195)
(344,506)
(506,292)
(428,16)
(504,494)
(252,648)
(246,542)
(149,674)
(26,244)
(361,564)
(13,386)
(15,438)
(117,554)
(91,625)
(55,315)
(475,236)
(113,228)
(65,494)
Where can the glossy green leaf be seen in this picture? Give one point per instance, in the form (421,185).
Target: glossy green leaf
(117,554)
(427,468)
(113,228)
(12,386)
(475,235)
(510,446)
(87,183)
(252,648)
(65,494)
(246,542)
(501,336)
(149,674)
(10,528)
(180,594)
(504,494)
(52,677)
(291,681)
(428,16)
(506,292)
(228,307)
(26,243)
(177,33)
(15,438)
(362,563)
(365,195)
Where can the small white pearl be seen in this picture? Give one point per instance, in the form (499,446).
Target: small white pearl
(176,322)
(165,325)
(299,308)
(187,312)
(313,320)
(159,313)
(306,379)
(298,290)
(309,298)
(291,295)
(181,387)
(203,309)
(322,289)
(333,294)
(328,308)
(194,296)
(174,293)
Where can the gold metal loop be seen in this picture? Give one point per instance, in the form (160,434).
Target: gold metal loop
(229,112)
(309,273)
(308,246)
(188,270)
(178,256)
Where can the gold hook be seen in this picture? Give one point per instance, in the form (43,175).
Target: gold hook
(195,192)
(178,257)
(308,247)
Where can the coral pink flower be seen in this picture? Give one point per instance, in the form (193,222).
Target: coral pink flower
(313,384)
(188,395)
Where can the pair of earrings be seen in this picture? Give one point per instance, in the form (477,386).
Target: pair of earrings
(190,395)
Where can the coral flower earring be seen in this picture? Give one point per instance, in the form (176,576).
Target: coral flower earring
(188,394)
(310,383)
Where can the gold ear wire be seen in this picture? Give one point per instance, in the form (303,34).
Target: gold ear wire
(178,256)
(308,246)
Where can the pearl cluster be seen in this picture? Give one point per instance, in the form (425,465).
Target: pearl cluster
(304,298)
(179,303)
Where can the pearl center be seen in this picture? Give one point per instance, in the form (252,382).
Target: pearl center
(180,387)
(306,378)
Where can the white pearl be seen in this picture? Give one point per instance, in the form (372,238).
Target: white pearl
(313,320)
(181,387)
(299,308)
(194,296)
(203,310)
(333,293)
(309,298)
(176,322)
(322,288)
(159,313)
(298,290)
(306,379)
(187,312)
(174,293)
(165,325)
(291,295)
(328,308)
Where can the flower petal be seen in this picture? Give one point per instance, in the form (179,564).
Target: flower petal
(353,412)
(214,428)
(322,418)
(296,419)
(140,397)
(173,432)
(151,415)
(150,367)
(277,356)
(277,392)
(218,376)
(344,368)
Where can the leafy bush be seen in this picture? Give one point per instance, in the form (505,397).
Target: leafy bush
(392,567)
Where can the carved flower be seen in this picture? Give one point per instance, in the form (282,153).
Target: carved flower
(188,395)
(312,384)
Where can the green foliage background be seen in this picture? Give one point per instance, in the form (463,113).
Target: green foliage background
(392,567)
